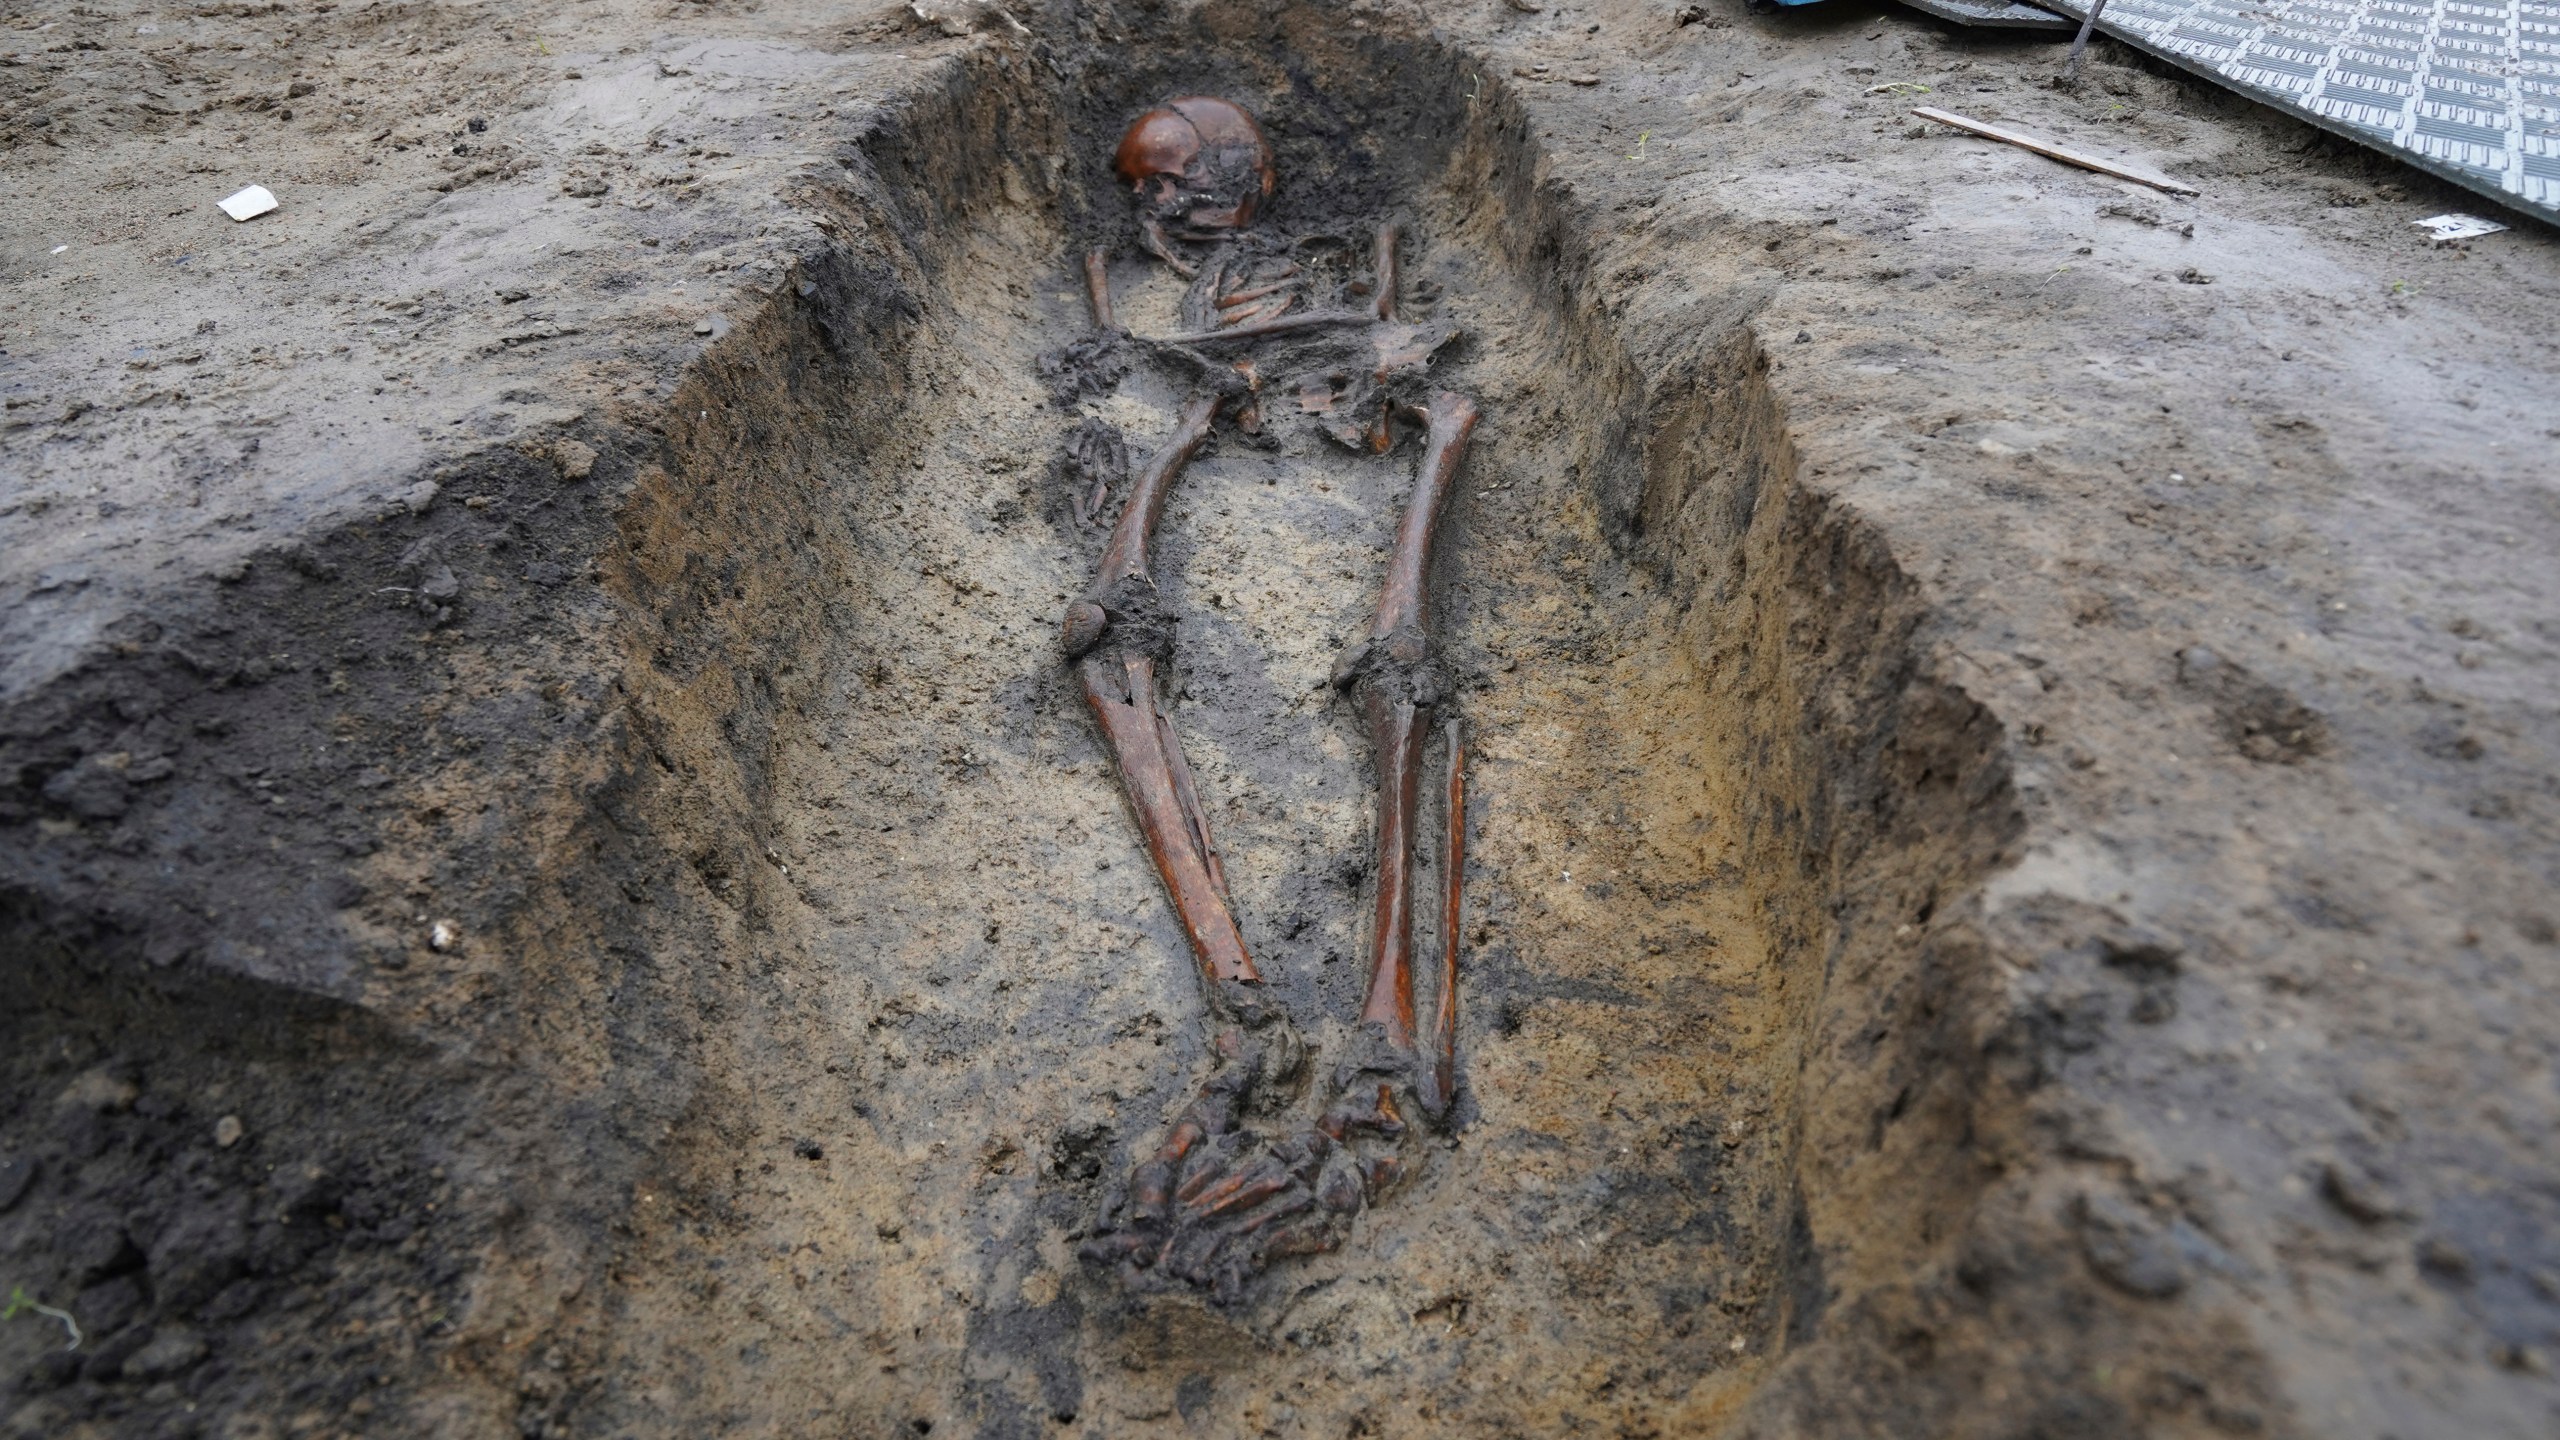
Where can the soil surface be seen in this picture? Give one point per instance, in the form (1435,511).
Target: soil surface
(553,880)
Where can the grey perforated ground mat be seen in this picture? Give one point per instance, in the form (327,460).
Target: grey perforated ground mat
(2469,89)
(1994,14)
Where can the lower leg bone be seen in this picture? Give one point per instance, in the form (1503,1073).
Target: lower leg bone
(1399,684)
(1439,1080)
(1189,794)
(1399,759)
(1125,706)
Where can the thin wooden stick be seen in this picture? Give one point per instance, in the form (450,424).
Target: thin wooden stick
(2052,151)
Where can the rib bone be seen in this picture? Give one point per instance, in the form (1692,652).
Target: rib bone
(1286,324)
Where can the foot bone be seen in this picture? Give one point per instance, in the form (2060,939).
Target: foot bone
(1219,1202)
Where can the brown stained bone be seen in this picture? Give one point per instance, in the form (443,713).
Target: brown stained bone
(1199,309)
(1123,701)
(1117,633)
(1187,792)
(1436,1084)
(1126,555)
(1269,309)
(1237,285)
(1399,683)
(1234,298)
(1198,163)
(1451,421)
(1398,753)
(1180,1211)
(1097,285)
(1383,301)
(1218,1203)
(1095,460)
(1151,235)
(1286,324)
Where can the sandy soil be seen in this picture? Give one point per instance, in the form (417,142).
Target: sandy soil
(2015,841)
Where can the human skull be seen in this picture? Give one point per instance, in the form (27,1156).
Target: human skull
(1199,164)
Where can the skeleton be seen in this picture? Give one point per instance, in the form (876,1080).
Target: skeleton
(1220,1199)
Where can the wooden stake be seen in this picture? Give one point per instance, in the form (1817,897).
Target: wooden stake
(2052,151)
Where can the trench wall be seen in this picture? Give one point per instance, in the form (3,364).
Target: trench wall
(1937,1281)
(725,568)
(568,692)
(1873,795)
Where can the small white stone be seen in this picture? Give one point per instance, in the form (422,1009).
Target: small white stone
(443,936)
(227,1131)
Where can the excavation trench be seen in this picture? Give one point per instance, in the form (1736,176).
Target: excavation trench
(954,1002)
(807,986)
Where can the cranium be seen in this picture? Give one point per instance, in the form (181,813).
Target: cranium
(1199,165)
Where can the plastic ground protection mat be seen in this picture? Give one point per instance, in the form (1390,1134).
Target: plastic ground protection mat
(2469,89)
(1996,15)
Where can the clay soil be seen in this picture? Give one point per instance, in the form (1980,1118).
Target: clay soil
(553,880)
